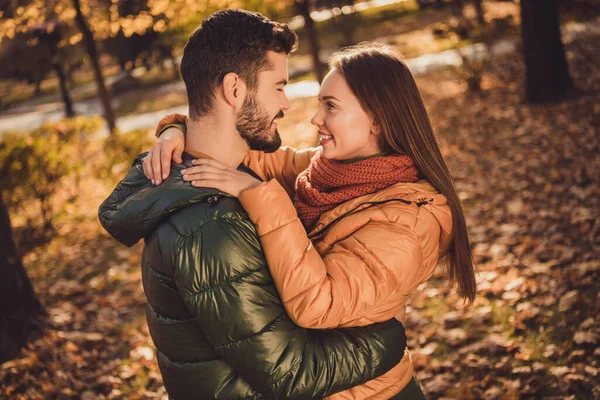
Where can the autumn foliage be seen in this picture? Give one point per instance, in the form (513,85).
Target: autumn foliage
(528,179)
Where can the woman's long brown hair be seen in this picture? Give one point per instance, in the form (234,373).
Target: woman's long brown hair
(387,90)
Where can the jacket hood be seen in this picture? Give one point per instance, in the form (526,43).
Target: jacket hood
(421,193)
(136,207)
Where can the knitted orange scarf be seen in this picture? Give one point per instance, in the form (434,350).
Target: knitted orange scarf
(326,184)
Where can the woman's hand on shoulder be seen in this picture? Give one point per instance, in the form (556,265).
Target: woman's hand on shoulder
(157,164)
(211,173)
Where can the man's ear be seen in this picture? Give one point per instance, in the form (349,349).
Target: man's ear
(234,90)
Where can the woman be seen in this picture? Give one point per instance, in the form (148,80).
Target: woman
(373,209)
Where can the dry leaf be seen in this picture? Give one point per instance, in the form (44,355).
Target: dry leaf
(586,337)
(567,301)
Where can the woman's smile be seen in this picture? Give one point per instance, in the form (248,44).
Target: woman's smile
(324,137)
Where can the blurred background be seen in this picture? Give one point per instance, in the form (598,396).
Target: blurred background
(512,88)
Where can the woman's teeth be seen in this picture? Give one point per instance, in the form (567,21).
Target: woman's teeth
(324,137)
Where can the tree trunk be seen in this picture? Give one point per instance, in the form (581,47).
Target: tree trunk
(303,8)
(175,68)
(22,316)
(38,87)
(479,10)
(90,44)
(457,7)
(64,92)
(547,73)
(69,76)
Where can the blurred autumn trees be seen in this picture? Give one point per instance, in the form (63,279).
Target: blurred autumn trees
(547,77)
(40,178)
(96,27)
(131,31)
(60,36)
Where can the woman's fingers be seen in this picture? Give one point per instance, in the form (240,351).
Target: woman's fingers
(156,167)
(209,183)
(203,175)
(178,152)
(157,164)
(204,168)
(210,162)
(147,165)
(168,149)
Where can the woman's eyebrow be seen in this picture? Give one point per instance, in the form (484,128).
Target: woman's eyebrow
(282,82)
(328,98)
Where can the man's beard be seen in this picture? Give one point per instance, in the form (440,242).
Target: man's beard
(254,126)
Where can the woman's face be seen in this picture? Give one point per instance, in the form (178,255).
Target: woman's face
(346,131)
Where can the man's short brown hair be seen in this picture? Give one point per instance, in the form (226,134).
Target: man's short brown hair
(230,41)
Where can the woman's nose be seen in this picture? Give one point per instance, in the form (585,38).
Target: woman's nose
(317,120)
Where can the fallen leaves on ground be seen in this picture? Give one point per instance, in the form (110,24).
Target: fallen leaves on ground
(529,179)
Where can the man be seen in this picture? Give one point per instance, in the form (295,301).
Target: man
(214,314)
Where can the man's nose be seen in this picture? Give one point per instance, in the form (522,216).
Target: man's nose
(286,103)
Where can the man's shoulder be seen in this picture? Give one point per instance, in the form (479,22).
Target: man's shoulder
(214,210)
(211,242)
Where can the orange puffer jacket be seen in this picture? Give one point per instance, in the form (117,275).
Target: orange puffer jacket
(359,264)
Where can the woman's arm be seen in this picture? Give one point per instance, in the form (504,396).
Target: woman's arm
(283,165)
(356,278)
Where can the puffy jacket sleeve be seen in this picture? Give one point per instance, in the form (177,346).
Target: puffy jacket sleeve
(136,207)
(356,277)
(224,280)
(284,164)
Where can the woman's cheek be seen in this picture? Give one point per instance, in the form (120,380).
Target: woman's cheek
(336,125)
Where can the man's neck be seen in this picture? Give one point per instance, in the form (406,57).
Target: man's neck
(217,140)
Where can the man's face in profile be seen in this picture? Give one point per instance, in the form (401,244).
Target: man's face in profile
(257,121)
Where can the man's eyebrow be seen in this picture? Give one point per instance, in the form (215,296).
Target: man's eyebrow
(282,82)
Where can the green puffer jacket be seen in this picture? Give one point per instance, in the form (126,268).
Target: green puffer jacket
(214,314)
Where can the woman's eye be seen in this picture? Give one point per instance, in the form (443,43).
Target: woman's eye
(330,106)
(280,90)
